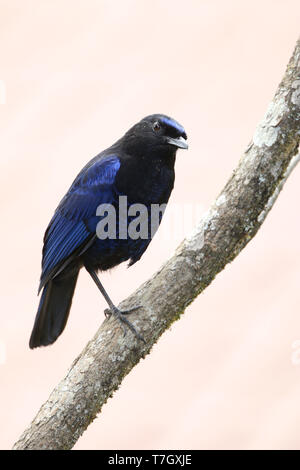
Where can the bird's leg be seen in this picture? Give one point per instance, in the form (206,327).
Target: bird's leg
(113,310)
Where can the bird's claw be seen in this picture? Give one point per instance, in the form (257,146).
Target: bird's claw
(120,315)
(131,310)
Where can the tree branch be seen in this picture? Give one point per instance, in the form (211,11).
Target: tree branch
(223,232)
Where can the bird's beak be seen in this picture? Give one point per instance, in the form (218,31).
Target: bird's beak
(179,142)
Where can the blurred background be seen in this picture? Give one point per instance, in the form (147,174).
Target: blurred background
(74,77)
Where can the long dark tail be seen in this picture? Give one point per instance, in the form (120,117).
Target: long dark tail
(54,308)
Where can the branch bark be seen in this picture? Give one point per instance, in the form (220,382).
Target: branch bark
(232,221)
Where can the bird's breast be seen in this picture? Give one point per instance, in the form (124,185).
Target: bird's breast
(146,183)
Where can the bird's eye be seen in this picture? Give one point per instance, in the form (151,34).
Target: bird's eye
(156,126)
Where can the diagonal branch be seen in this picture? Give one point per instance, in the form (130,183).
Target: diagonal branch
(223,232)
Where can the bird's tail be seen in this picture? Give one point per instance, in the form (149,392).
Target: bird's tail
(54,308)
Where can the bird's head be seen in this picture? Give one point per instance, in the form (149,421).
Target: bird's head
(157,132)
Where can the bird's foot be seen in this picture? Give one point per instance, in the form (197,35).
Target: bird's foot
(121,316)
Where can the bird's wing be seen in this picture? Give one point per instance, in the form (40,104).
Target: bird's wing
(69,233)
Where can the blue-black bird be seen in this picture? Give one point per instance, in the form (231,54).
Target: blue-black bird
(139,166)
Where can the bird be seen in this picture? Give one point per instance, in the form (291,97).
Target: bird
(140,168)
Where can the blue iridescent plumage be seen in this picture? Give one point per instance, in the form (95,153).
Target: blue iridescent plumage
(73,224)
(172,123)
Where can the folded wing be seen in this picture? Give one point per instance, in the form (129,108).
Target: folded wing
(70,231)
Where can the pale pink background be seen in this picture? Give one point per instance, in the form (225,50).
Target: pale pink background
(77,75)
